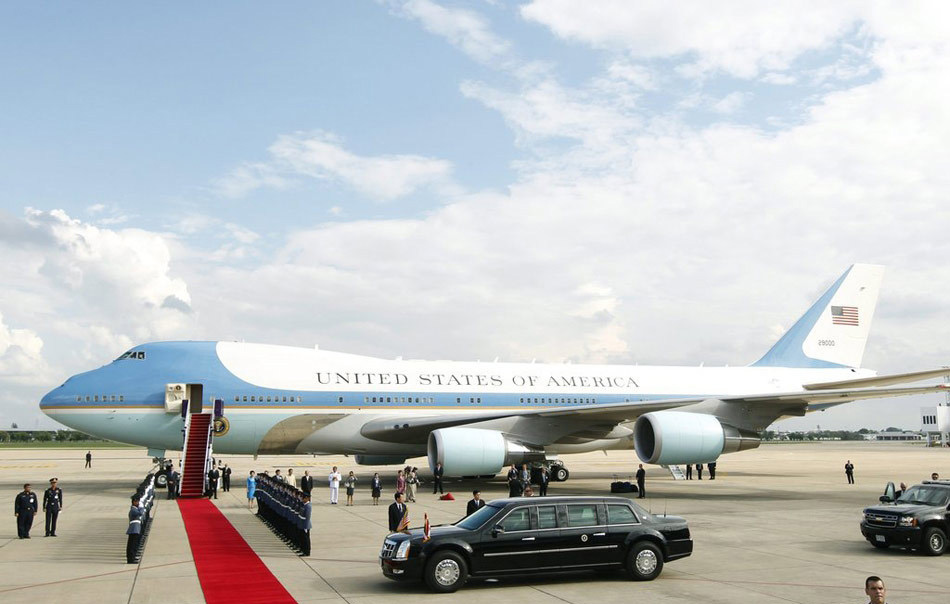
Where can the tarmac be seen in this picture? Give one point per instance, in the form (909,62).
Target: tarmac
(779,524)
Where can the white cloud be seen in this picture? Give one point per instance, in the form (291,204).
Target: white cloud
(738,37)
(321,156)
(465,29)
(730,103)
(21,356)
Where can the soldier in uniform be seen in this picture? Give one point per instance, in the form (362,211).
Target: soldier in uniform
(24,507)
(52,505)
(134,531)
(307,524)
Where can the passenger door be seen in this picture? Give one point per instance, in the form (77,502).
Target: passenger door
(583,536)
(621,521)
(548,538)
(508,545)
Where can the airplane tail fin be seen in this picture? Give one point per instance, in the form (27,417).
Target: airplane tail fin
(834,331)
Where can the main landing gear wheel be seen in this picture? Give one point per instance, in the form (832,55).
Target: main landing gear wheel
(446,572)
(644,562)
(560,473)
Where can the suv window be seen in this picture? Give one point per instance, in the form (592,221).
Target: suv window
(518,520)
(582,515)
(547,517)
(620,514)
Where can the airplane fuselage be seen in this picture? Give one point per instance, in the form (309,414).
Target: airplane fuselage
(280,399)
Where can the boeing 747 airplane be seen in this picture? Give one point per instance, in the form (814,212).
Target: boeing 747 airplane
(475,418)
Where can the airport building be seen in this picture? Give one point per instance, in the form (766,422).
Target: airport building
(935,423)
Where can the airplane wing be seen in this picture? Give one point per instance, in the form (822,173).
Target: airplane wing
(544,426)
(881,380)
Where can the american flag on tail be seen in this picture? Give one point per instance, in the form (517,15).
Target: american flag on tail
(844,315)
(404,523)
(425,531)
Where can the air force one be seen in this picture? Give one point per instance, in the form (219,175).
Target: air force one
(477,417)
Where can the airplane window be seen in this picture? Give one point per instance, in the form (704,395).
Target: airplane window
(140,355)
(96,398)
(299,399)
(121,398)
(237,399)
(479,400)
(340,399)
(87,398)
(253,399)
(244,398)
(78,399)
(389,399)
(112,398)
(268,399)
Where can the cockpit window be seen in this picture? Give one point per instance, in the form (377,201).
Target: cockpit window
(133,354)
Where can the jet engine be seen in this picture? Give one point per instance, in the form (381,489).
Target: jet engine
(380,460)
(475,452)
(675,437)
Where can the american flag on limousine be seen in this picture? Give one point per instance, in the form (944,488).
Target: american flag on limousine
(844,315)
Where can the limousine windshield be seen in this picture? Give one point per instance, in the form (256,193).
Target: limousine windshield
(477,519)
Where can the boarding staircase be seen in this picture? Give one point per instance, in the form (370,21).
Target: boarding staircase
(676,472)
(196,456)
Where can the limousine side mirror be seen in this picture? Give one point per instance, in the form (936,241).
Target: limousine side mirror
(497,530)
(885,499)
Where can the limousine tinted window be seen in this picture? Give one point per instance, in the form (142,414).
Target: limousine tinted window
(518,520)
(582,515)
(620,514)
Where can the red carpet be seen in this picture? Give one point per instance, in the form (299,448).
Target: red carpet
(228,569)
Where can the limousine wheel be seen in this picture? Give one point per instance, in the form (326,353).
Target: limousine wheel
(644,562)
(446,572)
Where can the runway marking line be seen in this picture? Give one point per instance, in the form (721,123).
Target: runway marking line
(115,572)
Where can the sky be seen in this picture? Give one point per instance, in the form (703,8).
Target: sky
(601,182)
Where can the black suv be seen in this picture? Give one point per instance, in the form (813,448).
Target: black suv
(534,534)
(918,519)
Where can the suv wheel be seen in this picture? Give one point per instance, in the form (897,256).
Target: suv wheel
(644,561)
(935,541)
(446,572)
(560,474)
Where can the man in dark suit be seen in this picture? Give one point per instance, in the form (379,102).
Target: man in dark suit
(475,504)
(544,477)
(397,510)
(437,478)
(52,505)
(699,471)
(306,482)
(712,470)
(226,478)
(849,471)
(213,476)
(689,471)
(641,482)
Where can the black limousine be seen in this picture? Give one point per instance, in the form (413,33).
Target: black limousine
(537,535)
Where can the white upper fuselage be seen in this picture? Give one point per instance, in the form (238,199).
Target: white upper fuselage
(264,386)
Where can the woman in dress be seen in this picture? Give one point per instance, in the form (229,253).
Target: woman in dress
(401,483)
(377,486)
(350,484)
(251,488)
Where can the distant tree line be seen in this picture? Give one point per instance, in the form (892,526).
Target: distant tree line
(16,436)
(824,434)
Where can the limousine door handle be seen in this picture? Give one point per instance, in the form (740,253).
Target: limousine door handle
(600,534)
(527,538)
